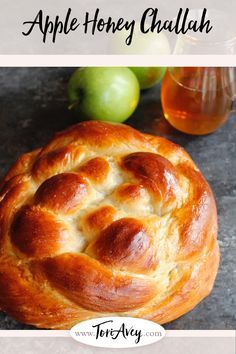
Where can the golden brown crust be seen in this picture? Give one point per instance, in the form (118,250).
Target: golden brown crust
(60,160)
(124,242)
(155,173)
(37,233)
(97,220)
(96,170)
(102,221)
(63,193)
(92,286)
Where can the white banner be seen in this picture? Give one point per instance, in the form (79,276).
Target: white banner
(204,342)
(127,27)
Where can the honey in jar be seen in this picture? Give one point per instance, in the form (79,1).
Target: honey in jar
(196,100)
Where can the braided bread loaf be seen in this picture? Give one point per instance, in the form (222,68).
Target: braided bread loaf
(104,221)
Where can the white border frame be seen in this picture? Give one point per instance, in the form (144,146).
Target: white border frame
(31,60)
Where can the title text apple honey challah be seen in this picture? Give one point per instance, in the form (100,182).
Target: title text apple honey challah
(104,221)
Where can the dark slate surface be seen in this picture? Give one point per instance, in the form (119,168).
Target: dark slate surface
(33,105)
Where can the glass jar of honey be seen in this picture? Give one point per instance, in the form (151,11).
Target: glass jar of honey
(197,100)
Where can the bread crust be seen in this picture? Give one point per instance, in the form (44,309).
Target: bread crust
(105,221)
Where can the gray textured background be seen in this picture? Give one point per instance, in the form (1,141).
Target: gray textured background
(33,106)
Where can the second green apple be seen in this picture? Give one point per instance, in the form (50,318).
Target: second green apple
(148,76)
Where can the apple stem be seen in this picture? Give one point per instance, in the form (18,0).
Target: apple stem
(73,105)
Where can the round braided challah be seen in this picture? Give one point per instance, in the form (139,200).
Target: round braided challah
(105,221)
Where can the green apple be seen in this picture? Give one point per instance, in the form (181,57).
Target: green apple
(104,93)
(148,76)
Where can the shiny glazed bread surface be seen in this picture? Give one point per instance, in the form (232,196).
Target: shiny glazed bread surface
(105,221)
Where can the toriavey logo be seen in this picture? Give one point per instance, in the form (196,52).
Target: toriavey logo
(117,332)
